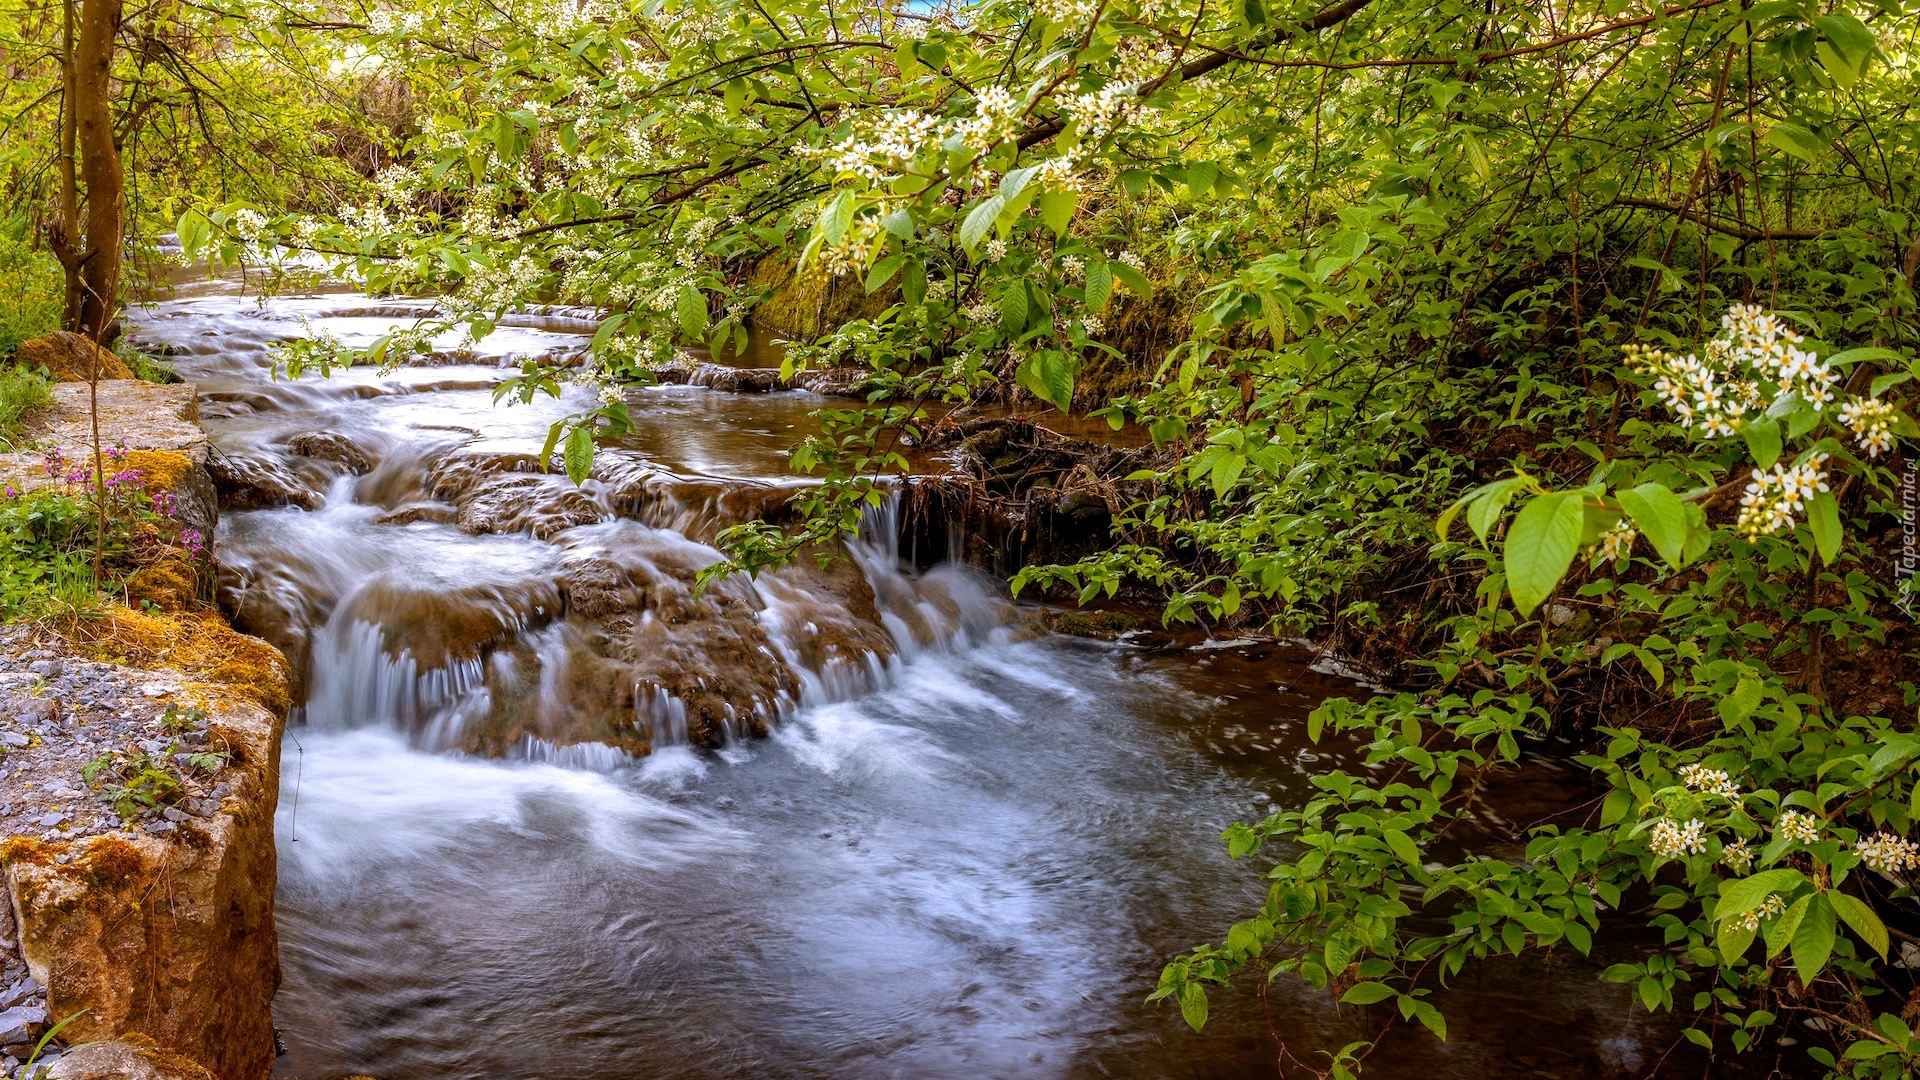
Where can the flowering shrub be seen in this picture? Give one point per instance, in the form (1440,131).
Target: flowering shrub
(1772,832)
(52,532)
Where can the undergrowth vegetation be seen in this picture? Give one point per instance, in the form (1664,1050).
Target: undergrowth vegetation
(31,288)
(75,544)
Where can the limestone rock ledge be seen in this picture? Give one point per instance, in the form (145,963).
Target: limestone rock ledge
(167,937)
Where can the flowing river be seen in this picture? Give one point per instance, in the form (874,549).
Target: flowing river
(546,816)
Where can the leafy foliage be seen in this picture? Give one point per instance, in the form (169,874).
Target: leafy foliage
(1369,268)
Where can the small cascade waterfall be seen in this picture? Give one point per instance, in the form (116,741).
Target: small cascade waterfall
(385,658)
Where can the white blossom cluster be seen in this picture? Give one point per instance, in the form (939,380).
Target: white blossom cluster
(1058,174)
(1709,781)
(1073,267)
(893,141)
(996,249)
(387,23)
(499,287)
(1093,325)
(1713,391)
(1101,113)
(982,313)
(1131,259)
(1074,13)
(482,220)
(1797,826)
(1617,541)
(1871,421)
(853,251)
(1671,840)
(1774,498)
(1887,853)
(1738,856)
(1768,908)
(994,112)
(247,224)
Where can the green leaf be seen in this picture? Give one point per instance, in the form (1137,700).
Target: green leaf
(899,223)
(1013,309)
(1823,517)
(1056,209)
(1540,546)
(1742,896)
(1432,1019)
(980,222)
(579,453)
(605,331)
(1049,376)
(1132,279)
(1193,1005)
(554,432)
(1367,993)
(1099,285)
(691,309)
(1200,178)
(1763,441)
(1226,472)
(1403,846)
(1862,920)
(884,270)
(1813,940)
(1661,518)
(835,219)
(1796,140)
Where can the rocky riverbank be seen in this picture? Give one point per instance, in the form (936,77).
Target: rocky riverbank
(139,775)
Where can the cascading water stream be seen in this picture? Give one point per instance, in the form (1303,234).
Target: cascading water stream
(547,815)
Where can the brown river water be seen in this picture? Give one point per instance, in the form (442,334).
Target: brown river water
(546,816)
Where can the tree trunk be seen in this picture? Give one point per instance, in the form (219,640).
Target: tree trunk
(99,167)
(93,271)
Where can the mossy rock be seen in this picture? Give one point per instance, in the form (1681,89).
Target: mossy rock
(69,357)
(1093,624)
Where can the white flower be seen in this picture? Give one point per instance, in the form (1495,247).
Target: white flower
(996,249)
(1887,853)
(1075,13)
(1737,855)
(1709,781)
(1073,267)
(992,119)
(1871,421)
(1797,826)
(1773,499)
(1057,174)
(1616,542)
(1099,114)
(1670,840)
(247,224)
(853,251)
(1132,260)
(1093,325)
(1768,908)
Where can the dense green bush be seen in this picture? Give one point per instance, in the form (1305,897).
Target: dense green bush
(31,288)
